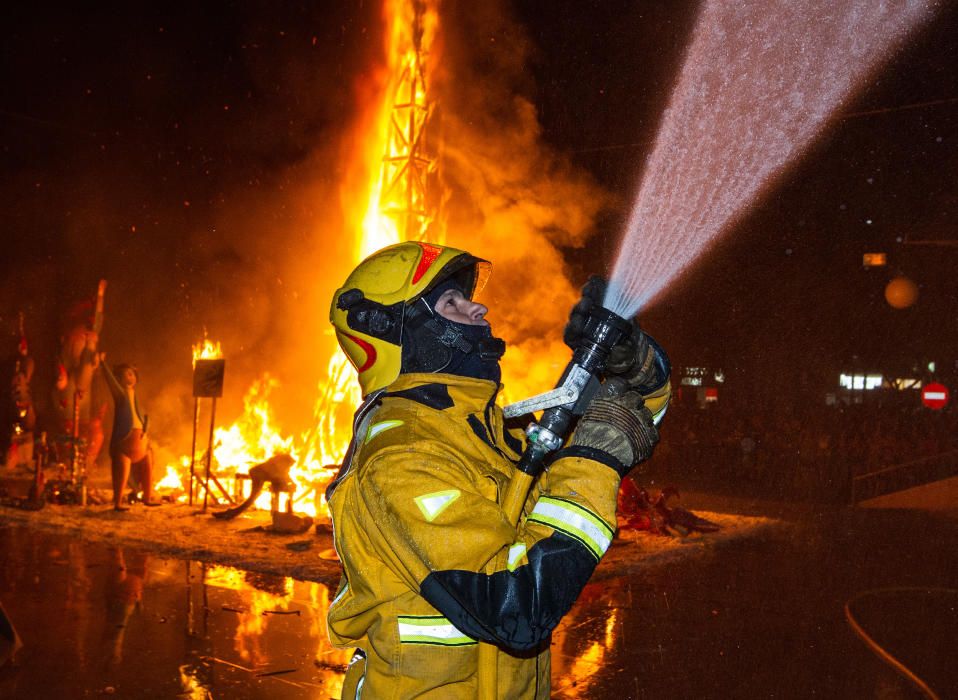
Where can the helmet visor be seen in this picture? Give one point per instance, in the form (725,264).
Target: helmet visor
(472,273)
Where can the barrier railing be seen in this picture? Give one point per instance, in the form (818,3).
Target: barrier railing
(903,476)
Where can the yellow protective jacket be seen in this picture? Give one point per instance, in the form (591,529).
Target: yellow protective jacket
(431,563)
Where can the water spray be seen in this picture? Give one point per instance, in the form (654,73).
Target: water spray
(750,98)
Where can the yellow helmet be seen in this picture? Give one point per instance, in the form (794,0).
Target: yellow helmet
(368,310)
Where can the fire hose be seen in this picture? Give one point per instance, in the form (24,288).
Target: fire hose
(880,651)
(576,389)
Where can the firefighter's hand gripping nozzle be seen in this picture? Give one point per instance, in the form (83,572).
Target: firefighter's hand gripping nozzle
(579,383)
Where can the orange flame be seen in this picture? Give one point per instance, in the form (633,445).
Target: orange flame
(207,350)
(384,198)
(173,480)
(253,621)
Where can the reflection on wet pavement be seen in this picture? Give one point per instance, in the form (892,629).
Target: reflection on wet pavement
(100,620)
(764,617)
(756,617)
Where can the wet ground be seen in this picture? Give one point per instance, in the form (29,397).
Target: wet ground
(765,618)
(760,617)
(100,620)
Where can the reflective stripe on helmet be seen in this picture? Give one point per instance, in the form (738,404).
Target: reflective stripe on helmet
(429,255)
(367,348)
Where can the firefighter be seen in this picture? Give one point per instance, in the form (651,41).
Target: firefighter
(431,565)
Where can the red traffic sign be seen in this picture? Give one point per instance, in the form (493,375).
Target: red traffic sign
(934,396)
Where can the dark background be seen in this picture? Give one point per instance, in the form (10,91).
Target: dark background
(190,154)
(784,296)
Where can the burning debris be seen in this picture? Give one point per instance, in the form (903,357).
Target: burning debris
(660,515)
(275,472)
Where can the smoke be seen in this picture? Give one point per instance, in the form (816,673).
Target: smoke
(512,197)
(203,177)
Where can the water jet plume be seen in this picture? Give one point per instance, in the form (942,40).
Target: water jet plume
(758,84)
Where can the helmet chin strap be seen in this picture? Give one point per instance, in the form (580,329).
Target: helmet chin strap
(447,332)
(432,343)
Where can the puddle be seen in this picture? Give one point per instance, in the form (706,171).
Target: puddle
(99,620)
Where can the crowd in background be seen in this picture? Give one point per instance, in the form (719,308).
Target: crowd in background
(796,451)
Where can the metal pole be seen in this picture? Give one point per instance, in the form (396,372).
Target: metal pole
(75,437)
(196,420)
(209,455)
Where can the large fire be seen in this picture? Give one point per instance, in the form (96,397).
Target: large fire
(515,197)
(384,198)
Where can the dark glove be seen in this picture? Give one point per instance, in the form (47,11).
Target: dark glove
(617,431)
(593,292)
(637,359)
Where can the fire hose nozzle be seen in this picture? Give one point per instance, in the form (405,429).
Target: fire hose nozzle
(575,390)
(579,381)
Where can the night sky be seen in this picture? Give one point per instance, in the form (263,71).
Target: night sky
(191,155)
(786,285)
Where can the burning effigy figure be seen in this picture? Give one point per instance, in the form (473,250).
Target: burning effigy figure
(19,415)
(432,564)
(274,473)
(79,430)
(130,449)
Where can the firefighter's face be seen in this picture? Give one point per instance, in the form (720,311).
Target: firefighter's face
(453,306)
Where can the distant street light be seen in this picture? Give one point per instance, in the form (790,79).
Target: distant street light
(901,293)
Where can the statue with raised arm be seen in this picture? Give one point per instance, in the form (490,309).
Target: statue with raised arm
(129,445)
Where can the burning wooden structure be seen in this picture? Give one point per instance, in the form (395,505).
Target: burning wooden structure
(401,202)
